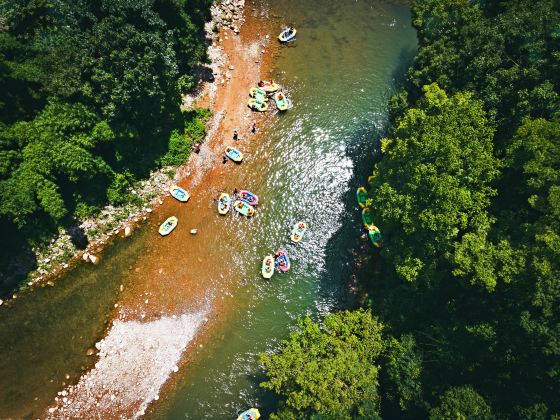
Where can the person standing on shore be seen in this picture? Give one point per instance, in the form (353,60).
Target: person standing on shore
(254,128)
(235,134)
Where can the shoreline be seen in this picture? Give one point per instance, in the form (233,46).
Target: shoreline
(115,223)
(146,301)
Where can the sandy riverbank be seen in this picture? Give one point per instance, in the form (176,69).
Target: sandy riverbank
(178,303)
(61,253)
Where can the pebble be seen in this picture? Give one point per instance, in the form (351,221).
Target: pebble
(85,256)
(127,231)
(175,369)
(121,288)
(194,231)
(149,210)
(94,259)
(231,67)
(65,265)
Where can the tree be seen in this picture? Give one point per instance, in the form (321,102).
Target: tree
(402,370)
(461,403)
(433,185)
(58,144)
(330,369)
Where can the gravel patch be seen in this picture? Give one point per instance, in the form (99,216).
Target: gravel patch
(135,360)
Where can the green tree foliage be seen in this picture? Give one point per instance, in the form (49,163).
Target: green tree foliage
(467,196)
(403,368)
(180,144)
(57,145)
(461,403)
(330,370)
(505,52)
(433,186)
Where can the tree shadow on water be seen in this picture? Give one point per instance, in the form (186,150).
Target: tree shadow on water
(17,259)
(346,248)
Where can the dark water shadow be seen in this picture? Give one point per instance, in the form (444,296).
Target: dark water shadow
(347,250)
(17,260)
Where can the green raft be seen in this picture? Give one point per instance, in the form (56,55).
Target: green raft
(375,236)
(367,218)
(361,195)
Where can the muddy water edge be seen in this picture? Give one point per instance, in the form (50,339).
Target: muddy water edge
(304,164)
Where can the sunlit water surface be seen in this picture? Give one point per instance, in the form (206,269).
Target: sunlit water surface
(339,75)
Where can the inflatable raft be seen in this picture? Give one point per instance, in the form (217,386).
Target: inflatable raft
(167,227)
(375,236)
(224,203)
(267,268)
(281,101)
(179,193)
(367,218)
(250,414)
(234,154)
(288,34)
(361,196)
(248,197)
(269,86)
(258,94)
(257,105)
(298,231)
(244,208)
(282,261)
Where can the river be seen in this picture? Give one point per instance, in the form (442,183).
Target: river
(305,164)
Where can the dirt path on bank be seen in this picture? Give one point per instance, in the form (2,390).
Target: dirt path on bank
(177,289)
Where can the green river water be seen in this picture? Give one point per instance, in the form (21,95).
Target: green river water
(339,74)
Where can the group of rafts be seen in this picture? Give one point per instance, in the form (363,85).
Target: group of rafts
(367,218)
(244,202)
(260,96)
(268,88)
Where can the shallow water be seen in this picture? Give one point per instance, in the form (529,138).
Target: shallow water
(339,74)
(305,166)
